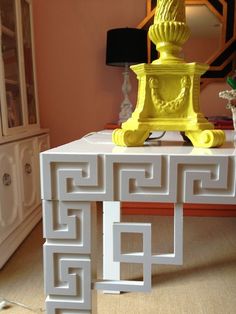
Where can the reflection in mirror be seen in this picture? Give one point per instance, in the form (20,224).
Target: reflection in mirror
(213,33)
(206,34)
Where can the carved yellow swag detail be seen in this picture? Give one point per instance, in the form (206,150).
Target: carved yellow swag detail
(174,105)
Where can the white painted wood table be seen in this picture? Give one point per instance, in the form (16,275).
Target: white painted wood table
(93,169)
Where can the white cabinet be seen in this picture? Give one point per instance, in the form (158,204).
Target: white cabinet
(20,206)
(21,138)
(28,176)
(9,194)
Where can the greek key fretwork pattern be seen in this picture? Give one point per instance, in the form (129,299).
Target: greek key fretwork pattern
(139,257)
(113,255)
(140,178)
(67,256)
(73,178)
(68,220)
(63,306)
(157,178)
(68,274)
(204,180)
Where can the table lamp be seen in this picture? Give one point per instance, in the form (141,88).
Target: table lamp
(126,46)
(168,92)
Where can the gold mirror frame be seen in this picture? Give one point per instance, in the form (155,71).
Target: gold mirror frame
(222,62)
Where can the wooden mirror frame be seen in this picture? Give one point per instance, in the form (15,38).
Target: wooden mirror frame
(222,62)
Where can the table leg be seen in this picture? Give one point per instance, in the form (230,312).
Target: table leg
(178,233)
(111,269)
(175,258)
(68,256)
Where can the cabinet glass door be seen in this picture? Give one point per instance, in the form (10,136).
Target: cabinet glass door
(12,110)
(28,61)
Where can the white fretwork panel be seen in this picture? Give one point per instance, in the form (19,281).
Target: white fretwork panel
(63,306)
(124,177)
(208,179)
(138,257)
(155,178)
(74,178)
(67,275)
(140,178)
(175,258)
(68,221)
(190,179)
(113,255)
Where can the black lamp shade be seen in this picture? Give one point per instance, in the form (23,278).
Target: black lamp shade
(126,46)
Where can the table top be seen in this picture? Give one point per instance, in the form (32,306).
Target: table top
(170,144)
(166,170)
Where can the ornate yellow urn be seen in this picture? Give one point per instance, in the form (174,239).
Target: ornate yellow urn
(168,91)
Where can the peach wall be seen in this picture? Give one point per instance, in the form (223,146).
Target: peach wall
(78,93)
(211,104)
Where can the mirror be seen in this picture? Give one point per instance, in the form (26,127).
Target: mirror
(206,33)
(212,39)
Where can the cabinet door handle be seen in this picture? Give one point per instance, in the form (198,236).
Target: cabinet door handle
(6,179)
(28,168)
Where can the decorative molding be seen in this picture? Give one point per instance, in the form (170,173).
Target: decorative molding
(67,220)
(142,178)
(174,105)
(65,270)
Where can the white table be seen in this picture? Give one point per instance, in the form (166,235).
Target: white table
(75,175)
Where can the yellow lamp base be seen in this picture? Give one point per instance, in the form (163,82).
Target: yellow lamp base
(202,138)
(168,101)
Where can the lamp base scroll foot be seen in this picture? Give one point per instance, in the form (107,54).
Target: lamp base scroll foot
(123,137)
(206,138)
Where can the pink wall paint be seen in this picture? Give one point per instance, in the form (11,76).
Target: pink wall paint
(78,93)
(210,103)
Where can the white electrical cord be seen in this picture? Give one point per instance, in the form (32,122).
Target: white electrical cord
(5,304)
(89,134)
